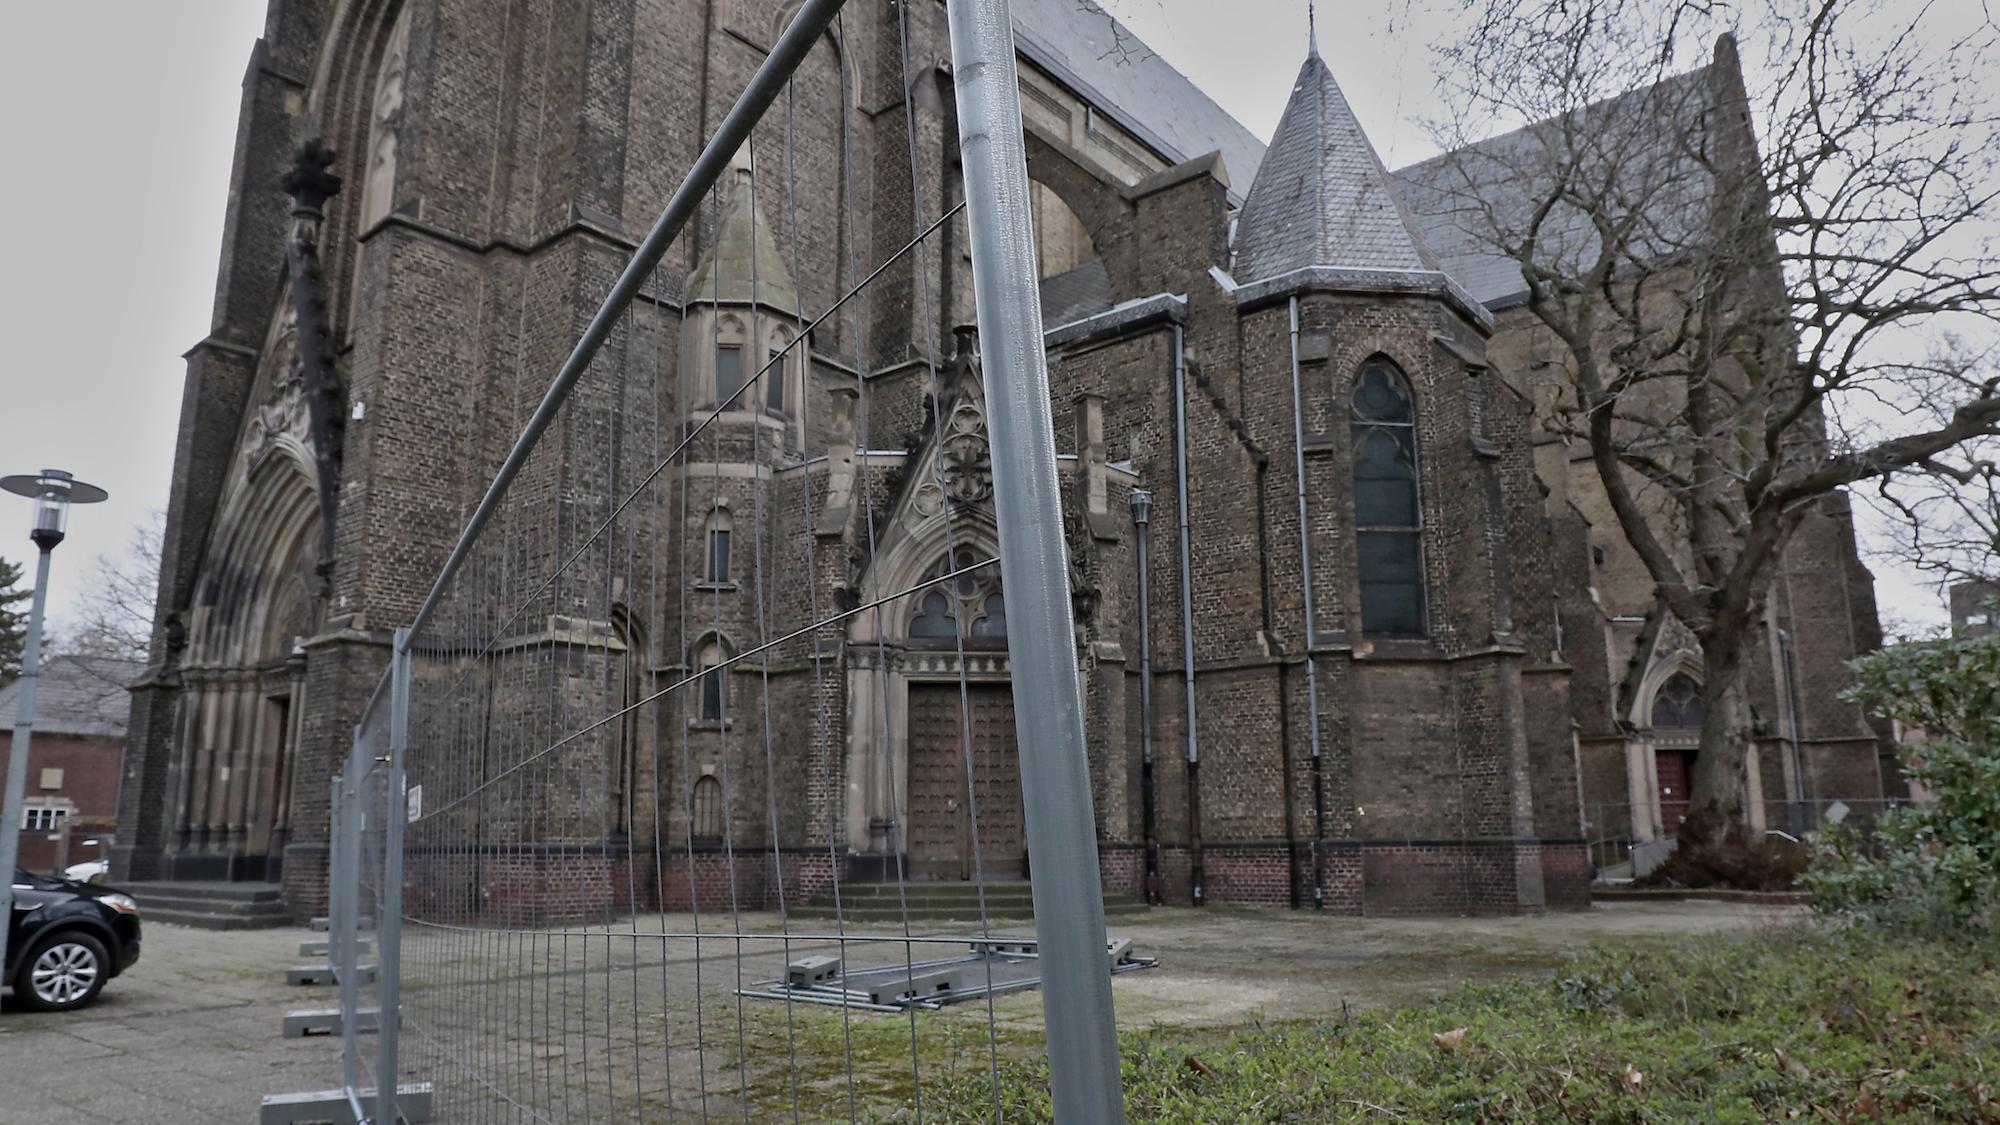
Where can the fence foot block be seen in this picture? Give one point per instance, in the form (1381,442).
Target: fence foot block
(317,924)
(413,1101)
(324,948)
(326,974)
(302,1022)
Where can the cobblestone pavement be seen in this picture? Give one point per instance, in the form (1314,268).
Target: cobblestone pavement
(607,1021)
(190,1033)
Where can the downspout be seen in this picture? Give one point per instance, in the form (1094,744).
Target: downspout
(1306,587)
(1142,503)
(1284,689)
(1801,797)
(1187,615)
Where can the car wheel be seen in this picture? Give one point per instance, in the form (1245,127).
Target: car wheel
(63,971)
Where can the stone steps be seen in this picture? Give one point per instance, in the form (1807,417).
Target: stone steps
(213,906)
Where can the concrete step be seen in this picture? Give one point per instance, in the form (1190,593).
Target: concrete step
(213,906)
(208,892)
(206,920)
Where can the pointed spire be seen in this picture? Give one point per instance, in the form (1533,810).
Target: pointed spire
(745,257)
(1321,196)
(1312,32)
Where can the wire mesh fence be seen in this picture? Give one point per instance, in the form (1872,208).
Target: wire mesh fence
(607,826)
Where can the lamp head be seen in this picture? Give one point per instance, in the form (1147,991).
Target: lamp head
(53,491)
(1142,506)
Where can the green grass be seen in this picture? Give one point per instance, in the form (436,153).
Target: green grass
(1808,1023)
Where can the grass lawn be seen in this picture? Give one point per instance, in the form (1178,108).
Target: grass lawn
(1805,1023)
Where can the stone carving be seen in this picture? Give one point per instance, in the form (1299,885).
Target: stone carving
(284,412)
(968,459)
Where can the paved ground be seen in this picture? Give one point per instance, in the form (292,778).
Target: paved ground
(615,1020)
(190,1033)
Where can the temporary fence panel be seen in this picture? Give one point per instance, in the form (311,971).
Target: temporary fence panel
(628,826)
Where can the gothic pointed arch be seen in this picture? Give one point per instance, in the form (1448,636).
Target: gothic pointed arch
(1388,508)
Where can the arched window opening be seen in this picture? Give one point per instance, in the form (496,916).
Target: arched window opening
(971,607)
(1062,242)
(713,682)
(385,123)
(778,376)
(991,624)
(729,371)
(1387,514)
(1677,705)
(706,823)
(935,618)
(719,527)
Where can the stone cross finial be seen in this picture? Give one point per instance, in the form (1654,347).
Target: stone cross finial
(309,183)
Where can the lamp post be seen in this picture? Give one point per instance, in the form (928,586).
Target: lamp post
(53,491)
(1142,514)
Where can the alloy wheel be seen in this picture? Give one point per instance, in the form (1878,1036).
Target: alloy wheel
(64,973)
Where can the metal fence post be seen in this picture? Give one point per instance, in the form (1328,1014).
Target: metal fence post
(340,895)
(1048,713)
(389,919)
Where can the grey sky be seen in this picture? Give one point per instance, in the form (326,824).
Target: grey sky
(119,173)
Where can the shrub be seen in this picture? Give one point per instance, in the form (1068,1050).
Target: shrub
(1936,862)
(1713,850)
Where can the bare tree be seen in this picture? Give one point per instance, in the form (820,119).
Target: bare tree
(115,617)
(1729,323)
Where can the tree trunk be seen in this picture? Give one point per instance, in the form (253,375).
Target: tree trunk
(1720,779)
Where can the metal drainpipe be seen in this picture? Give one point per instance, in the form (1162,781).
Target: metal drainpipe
(1284,689)
(1141,517)
(1305,583)
(1800,798)
(1187,615)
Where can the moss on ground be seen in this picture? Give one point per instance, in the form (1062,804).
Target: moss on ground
(1806,1023)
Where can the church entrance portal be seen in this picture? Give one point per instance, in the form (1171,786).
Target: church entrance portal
(940,816)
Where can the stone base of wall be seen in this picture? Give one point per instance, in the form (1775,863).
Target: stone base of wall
(552,885)
(1388,877)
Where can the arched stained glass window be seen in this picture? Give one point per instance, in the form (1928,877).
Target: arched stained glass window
(719,527)
(714,682)
(935,619)
(706,825)
(992,620)
(1388,519)
(1677,706)
(970,606)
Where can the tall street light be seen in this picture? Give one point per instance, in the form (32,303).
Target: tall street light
(53,491)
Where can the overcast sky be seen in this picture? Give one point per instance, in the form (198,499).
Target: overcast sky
(118,178)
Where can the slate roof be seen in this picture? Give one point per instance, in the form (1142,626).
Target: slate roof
(1087,50)
(1321,197)
(746,235)
(1460,196)
(83,695)
(1076,293)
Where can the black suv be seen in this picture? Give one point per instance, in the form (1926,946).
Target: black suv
(68,938)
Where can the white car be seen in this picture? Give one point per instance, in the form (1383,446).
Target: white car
(92,871)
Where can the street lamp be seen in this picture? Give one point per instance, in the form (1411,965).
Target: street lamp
(53,491)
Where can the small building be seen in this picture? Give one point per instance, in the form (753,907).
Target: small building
(81,705)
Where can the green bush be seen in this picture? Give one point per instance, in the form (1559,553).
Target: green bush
(1934,863)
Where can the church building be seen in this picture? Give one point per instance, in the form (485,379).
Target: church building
(1354,629)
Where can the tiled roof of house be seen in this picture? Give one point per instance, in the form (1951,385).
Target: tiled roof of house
(77,695)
